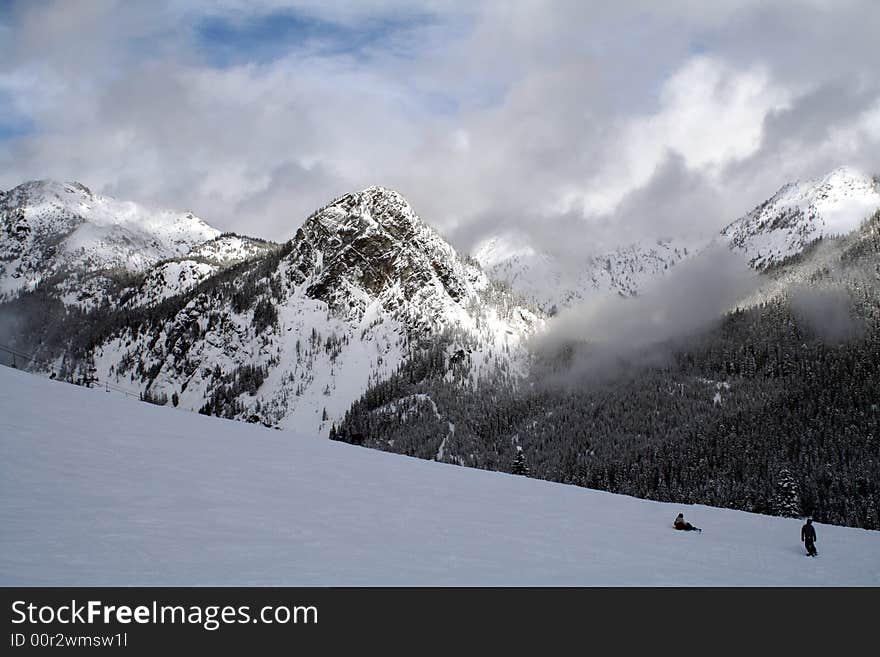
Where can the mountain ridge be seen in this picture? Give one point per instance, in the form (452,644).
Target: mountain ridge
(796,215)
(64,230)
(283,334)
(801,212)
(294,333)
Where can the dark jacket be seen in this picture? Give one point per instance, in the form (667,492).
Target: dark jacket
(808,533)
(681,523)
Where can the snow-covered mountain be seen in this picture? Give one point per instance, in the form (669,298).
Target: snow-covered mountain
(784,225)
(549,283)
(802,212)
(169,278)
(64,234)
(370,247)
(291,335)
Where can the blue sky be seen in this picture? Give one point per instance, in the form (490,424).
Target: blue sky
(262,38)
(287,34)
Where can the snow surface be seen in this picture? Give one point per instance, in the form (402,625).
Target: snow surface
(99,490)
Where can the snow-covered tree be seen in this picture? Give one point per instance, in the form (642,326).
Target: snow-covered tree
(787,501)
(520,467)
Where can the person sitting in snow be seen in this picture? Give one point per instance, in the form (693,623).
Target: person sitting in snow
(680,523)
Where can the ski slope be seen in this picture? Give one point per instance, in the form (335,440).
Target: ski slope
(99,490)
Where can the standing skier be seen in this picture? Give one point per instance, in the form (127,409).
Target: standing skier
(808,537)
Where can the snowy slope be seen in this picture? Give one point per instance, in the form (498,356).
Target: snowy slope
(801,212)
(172,277)
(63,229)
(169,278)
(99,490)
(230,248)
(547,282)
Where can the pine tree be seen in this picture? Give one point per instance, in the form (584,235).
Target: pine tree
(520,467)
(787,501)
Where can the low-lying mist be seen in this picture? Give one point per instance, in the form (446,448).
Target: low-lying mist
(827,312)
(608,336)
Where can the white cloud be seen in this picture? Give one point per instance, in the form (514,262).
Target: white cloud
(709,114)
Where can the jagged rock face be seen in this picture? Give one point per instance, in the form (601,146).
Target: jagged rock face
(371,245)
(64,233)
(802,212)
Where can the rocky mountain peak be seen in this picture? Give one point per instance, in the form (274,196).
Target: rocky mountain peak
(374,210)
(373,243)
